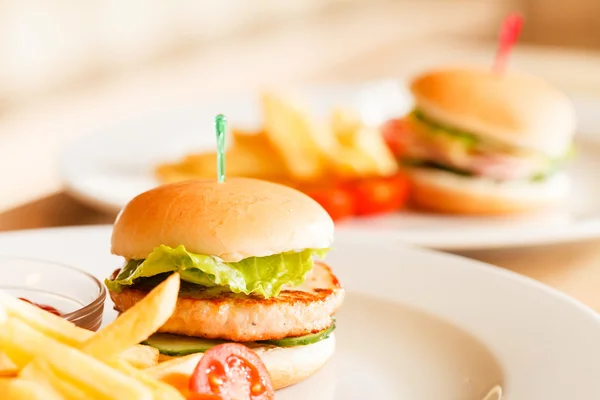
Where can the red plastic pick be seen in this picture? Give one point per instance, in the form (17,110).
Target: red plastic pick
(509,34)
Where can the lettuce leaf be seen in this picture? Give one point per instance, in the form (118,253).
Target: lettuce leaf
(262,275)
(468,139)
(411,162)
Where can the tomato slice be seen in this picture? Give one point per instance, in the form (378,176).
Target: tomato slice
(379,195)
(232,371)
(394,134)
(336,200)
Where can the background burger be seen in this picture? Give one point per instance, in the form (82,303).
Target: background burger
(245,251)
(478,142)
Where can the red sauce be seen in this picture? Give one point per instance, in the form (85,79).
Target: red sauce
(44,307)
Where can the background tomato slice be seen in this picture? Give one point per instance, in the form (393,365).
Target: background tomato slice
(232,371)
(394,134)
(379,195)
(336,200)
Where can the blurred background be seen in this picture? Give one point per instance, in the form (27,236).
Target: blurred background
(68,67)
(52,46)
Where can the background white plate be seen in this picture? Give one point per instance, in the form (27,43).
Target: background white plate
(107,169)
(416,324)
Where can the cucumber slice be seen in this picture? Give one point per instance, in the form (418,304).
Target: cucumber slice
(302,340)
(177,345)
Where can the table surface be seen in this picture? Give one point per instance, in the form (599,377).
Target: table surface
(32,138)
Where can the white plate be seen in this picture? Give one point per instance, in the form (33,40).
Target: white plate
(107,169)
(416,324)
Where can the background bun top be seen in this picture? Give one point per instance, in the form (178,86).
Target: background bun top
(513,108)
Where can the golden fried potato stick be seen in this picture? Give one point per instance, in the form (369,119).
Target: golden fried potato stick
(43,321)
(23,344)
(160,390)
(136,324)
(22,389)
(40,372)
(175,365)
(64,331)
(140,356)
(7,367)
(3,314)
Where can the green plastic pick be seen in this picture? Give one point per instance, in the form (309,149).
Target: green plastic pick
(221,127)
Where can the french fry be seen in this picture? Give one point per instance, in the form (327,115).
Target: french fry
(99,366)
(183,365)
(3,314)
(41,372)
(140,356)
(7,367)
(81,370)
(160,390)
(22,389)
(301,142)
(65,331)
(43,321)
(136,324)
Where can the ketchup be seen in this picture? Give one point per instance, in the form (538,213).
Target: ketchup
(44,307)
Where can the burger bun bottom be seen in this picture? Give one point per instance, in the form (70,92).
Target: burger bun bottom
(286,365)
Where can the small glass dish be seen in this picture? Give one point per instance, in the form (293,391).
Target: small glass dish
(77,295)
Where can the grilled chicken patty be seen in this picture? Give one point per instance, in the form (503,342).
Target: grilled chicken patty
(217,314)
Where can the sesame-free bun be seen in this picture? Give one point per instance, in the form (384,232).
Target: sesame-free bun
(512,108)
(233,220)
(286,365)
(445,192)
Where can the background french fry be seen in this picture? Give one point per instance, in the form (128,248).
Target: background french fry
(80,369)
(295,149)
(137,324)
(22,389)
(361,150)
(363,153)
(251,158)
(301,142)
(344,123)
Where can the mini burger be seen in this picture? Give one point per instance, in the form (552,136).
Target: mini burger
(245,250)
(479,142)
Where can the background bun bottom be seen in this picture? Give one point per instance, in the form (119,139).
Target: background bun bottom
(445,192)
